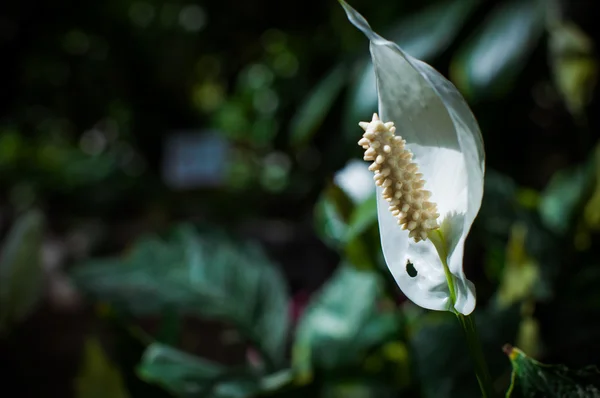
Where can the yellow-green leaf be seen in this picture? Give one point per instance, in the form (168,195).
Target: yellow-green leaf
(574,65)
(521,271)
(98,377)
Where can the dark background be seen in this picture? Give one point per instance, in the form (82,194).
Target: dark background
(105,110)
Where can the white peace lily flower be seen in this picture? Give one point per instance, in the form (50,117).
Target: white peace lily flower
(430,180)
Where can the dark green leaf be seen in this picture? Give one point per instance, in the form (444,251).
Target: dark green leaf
(210,276)
(313,111)
(21,273)
(532,379)
(488,63)
(438,345)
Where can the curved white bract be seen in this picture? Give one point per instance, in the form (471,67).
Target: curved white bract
(444,138)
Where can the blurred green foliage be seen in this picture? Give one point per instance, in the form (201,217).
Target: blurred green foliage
(95,94)
(21,273)
(210,277)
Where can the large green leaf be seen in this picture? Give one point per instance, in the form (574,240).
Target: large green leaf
(313,111)
(98,378)
(21,273)
(341,322)
(210,276)
(533,379)
(488,63)
(424,35)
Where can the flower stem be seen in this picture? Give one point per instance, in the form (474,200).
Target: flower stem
(481,369)
(468,325)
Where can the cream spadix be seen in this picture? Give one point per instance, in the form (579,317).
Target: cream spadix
(435,168)
(399,178)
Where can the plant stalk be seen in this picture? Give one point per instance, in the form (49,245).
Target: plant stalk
(475,350)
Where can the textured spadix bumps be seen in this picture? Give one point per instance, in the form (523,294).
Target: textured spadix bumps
(444,140)
(399,178)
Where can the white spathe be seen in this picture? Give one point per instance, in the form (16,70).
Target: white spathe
(443,135)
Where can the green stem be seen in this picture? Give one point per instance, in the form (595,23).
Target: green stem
(481,370)
(469,328)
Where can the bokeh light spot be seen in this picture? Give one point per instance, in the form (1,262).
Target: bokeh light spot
(192,18)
